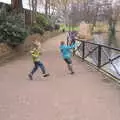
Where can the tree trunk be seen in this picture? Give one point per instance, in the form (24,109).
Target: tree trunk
(34,10)
(49,8)
(46,7)
(112,33)
(17,5)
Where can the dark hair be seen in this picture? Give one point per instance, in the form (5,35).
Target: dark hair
(62,42)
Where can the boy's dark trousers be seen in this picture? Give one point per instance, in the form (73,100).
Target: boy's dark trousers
(36,65)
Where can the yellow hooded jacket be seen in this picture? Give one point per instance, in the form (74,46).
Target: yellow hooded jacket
(35,54)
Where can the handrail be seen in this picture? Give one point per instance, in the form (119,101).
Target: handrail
(117,49)
(104,57)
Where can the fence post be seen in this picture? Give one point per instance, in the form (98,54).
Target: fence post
(99,56)
(83,50)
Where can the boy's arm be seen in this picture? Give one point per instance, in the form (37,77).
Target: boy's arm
(71,46)
(34,55)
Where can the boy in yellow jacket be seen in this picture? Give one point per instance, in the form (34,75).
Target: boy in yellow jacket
(37,63)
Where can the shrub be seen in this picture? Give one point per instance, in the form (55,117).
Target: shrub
(57,27)
(11,29)
(37,29)
(49,28)
(12,34)
(42,20)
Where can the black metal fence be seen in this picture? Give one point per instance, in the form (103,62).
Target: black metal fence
(104,57)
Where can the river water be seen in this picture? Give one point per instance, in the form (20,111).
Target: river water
(108,54)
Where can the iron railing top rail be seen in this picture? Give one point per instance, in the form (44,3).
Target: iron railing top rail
(117,49)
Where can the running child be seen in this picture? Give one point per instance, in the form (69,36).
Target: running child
(37,63)
(67,54)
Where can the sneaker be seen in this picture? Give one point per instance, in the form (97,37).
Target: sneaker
(72,73)
(46,75)
(30,77)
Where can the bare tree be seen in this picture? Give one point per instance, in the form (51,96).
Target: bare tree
(46,7)
(33,6)
(61,6)
(111,13)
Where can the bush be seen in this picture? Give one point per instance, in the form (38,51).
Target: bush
(42,20)
(12,34)
(7,7)
(43,23)
(57,27)
(11,29)
(49,28)
(37,29)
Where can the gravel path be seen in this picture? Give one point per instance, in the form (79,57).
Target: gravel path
(83,96)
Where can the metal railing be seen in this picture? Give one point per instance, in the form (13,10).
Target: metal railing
(104,57)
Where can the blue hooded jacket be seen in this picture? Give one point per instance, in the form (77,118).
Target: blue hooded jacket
(66,51)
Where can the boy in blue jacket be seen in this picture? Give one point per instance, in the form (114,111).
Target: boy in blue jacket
(67,54)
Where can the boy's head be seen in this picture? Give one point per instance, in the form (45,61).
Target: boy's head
(35,45)
(62,43)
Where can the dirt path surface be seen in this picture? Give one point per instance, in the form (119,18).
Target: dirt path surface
(83,96)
